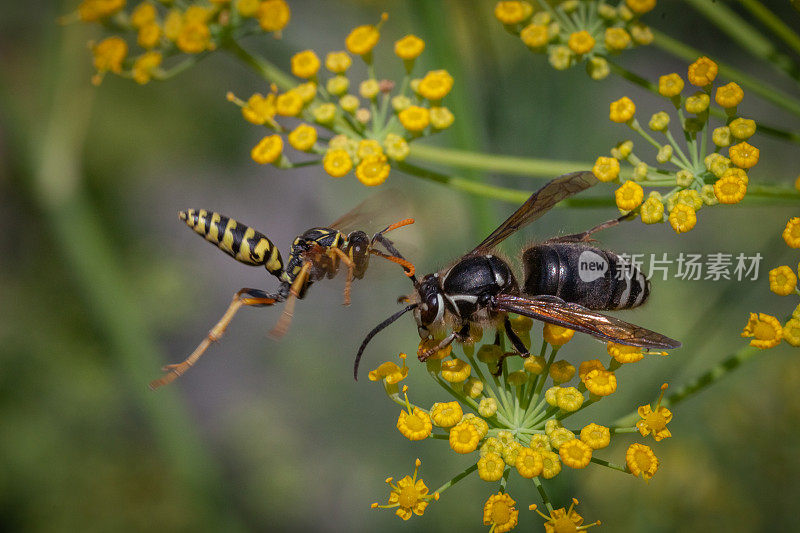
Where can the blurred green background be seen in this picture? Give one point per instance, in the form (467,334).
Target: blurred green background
(100,285)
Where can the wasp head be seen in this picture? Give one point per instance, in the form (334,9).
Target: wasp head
(430,308)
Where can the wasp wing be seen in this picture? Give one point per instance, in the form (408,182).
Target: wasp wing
(556,311)
(375,213)
(537,205)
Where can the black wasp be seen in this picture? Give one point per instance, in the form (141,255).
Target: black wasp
(566,281)
(316,254)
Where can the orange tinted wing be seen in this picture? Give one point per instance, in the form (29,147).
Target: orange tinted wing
(556,311)
(375,213)
(537,205)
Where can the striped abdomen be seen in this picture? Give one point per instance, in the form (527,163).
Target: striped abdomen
(239,241)
(585,275)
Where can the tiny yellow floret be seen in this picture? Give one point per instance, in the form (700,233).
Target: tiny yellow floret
(273,15)
(596,436)
(629,196)
(670,85)
(641,461)
(529,463)
(416,425)
(730,189)
(606,168)
(268,149)
(409,47)
(743,155)
(782,280)
(682,218)
(729,95)
(702,72)
(446,414)
(303,137)
(305,64)
(600,382)
(499,511)
(414,118)
(765,330)
(464,438)
(791,234)
(491,466)
(337,162)
(338,62)
(622,110)
(575,453)
(373,171)
(581,42)
(435,85)
(512,12)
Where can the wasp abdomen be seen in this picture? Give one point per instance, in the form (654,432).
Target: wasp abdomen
(238,240)
(582,274)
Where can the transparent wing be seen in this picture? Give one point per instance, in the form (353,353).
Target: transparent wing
(375,213)
(537,205)
(556,311)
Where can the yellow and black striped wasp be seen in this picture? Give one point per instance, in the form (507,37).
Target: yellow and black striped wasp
(316,254)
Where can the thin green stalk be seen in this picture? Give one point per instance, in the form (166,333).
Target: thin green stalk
(615,466)
(457,478)
(501,164)
(265,68)
(704,380)
(748,37)
(543,494)
(758,86)
(775,24)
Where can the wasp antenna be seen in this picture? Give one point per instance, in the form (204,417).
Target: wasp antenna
(377,329)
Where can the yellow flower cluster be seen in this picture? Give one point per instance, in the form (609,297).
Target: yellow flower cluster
(766,330)
(696,175)
(516,421)
(364,127)
(572,31)
(162,29)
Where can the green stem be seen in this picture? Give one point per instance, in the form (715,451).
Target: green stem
(457,478)
(501,164)
(609,464)
(768,92)
(711,376)
(543,494)
(266,69)
(748,37)
(771,21)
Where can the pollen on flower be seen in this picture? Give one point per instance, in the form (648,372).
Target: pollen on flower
(435,85)
(499,511)
(617,39)
(652,211)
(600,382)
(410,495)
(606,168)
(575,453)
(743,155)
(373,170)
(730,189)
(782,280)
(289,104)
(765,330)
(446,414)
(742,128)
(464,438)
(629,196)
(791,331)
(268,149)
(414,425)
(390,372)
(702,72)
(535,35)
(305,64)
(551,464)
(273,15)
(491,466)
(791,234)
(303,137)
(529,462)
(512,12)
(682,218)
(409,47)
(362,39)
(581,42)
(641,461)
(670,85)
(596,436)
(414,118)
(337,162)
(622,110)
(729,95)
(557,335)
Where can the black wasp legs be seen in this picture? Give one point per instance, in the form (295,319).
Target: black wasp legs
(462,334)
(244,297)
(585,236)
(519,346)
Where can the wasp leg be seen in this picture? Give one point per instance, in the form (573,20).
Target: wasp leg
(462,334)
(519,346)
(244,297)
(407,266)
(350,271)
(585,236)
(282,326)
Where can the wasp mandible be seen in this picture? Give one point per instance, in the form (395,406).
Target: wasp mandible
(481,287)
(316,254)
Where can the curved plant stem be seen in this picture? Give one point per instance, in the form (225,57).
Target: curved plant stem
(701,382)
(767,92)
(502,164)
(265,68)
(748,37)
(771,21)
(457,478)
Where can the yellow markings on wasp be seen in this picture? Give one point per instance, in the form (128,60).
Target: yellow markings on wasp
(212,232)
(274,263)
(200,226)
(226,243)
(244,254)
